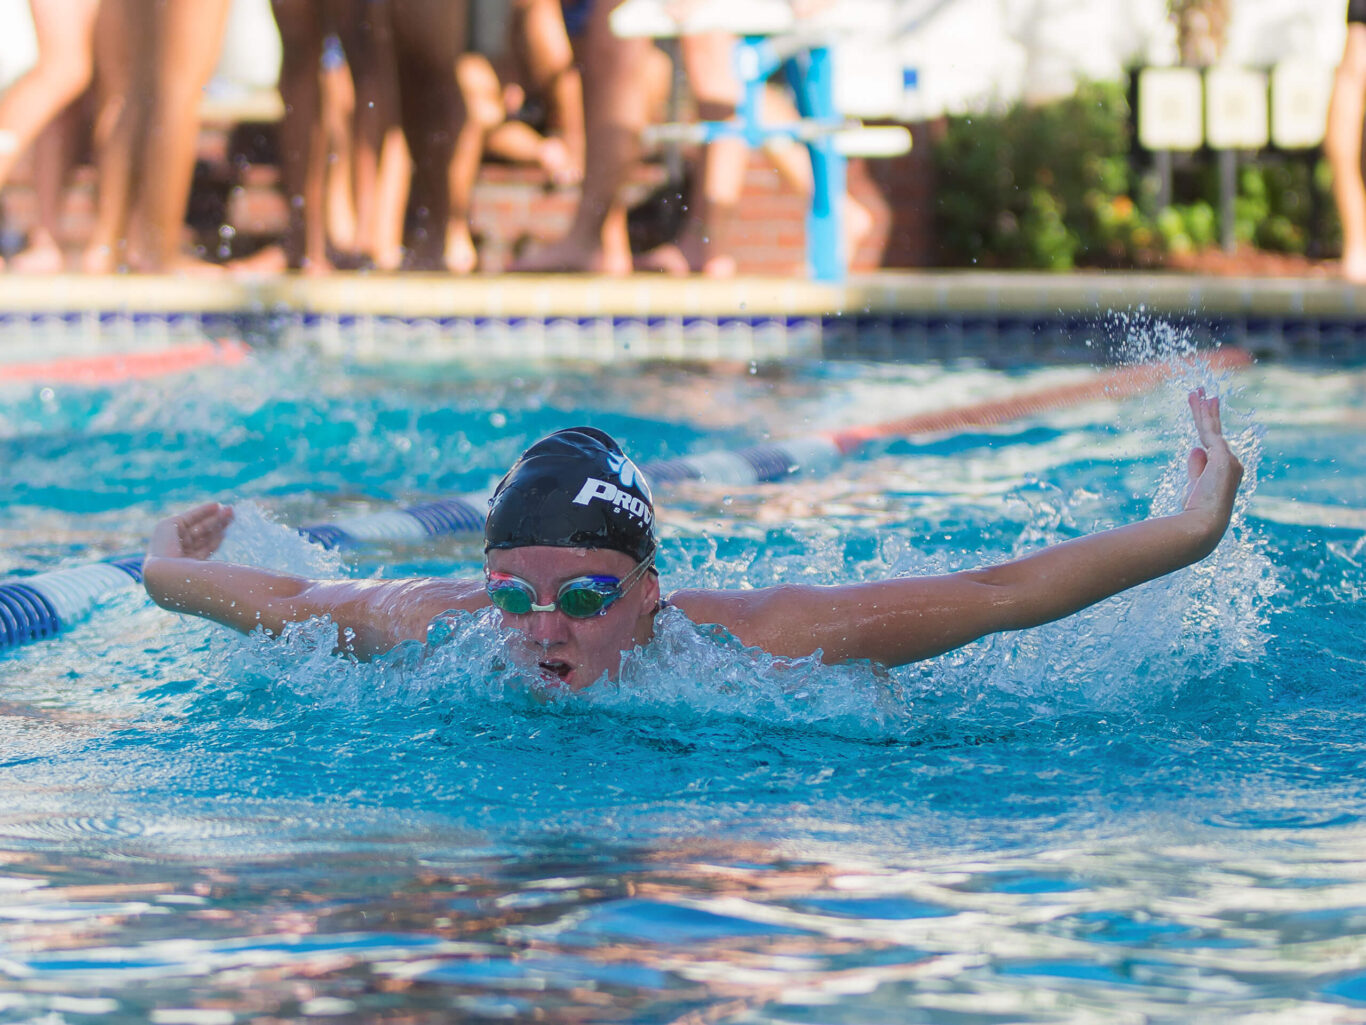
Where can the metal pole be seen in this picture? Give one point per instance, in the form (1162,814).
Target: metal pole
(1228,190)
(1162,159)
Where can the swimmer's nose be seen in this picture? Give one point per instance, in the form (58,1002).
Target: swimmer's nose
(547,628)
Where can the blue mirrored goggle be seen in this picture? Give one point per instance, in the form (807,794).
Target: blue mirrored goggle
(580,598)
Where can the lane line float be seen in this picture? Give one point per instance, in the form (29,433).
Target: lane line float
(110,368)
(820,451)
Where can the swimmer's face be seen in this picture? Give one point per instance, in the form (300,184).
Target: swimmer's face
(577,651)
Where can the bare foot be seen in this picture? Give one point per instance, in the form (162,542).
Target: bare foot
(271,259)
(665,259)
(558,162)
(98,259)
(721,265)
(1354,266)
(389,258)
(41,257)
(703,257)
(266,260)
(567,257)
(461,256)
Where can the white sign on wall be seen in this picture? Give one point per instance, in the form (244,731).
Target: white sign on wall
(1236,108)
(1169,109)
(1300,91)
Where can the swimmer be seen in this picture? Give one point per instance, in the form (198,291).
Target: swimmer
(569,563)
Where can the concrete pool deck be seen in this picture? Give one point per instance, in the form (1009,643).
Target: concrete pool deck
(890,314)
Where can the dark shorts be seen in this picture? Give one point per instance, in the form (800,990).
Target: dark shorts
(576,14)
(1356,11)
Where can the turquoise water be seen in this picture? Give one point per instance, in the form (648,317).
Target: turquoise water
(1150,812)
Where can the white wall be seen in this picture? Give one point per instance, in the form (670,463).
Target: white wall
(251,46)
(976,54)
(250,56)
(17,45)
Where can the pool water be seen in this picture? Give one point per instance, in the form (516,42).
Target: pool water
(1150,812)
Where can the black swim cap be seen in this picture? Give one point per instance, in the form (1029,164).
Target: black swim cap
(573,489)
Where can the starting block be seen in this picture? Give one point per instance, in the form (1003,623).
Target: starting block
(771,37)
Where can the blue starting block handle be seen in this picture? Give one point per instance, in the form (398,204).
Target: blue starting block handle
(810,74)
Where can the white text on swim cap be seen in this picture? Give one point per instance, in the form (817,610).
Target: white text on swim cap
(623,500)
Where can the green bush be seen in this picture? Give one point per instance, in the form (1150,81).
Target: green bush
(1044,186)
(1053,186)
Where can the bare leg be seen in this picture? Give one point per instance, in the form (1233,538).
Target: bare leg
(615,111)
(706,239)
(547,57)
(189,35)
(124,89)
(1343,145)
(52,157)
(393,180)
(428,36)
(380,168)
(483,97)
(65,35)
(303,160)
(338,115)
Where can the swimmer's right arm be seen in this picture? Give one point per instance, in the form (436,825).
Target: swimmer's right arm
(371,615)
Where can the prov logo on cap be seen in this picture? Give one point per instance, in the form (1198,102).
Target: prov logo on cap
(595,490)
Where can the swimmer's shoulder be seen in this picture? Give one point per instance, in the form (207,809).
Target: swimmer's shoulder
(705,606)
(778,619)
(411,605)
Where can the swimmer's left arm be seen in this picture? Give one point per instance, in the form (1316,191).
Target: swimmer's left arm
(908,619)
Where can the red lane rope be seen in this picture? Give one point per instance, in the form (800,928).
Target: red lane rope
(1115,384)
(108,369)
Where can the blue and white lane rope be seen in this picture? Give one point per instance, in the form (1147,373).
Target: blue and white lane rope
(465,514)
(461,515)
(758,464)
(32,608)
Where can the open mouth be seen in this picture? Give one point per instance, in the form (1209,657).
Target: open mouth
(556,669)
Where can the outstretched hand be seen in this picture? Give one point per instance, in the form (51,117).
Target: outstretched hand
(194,534)
(1214,471)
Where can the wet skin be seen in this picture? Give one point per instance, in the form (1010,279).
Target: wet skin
(576,651)
(892,622)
